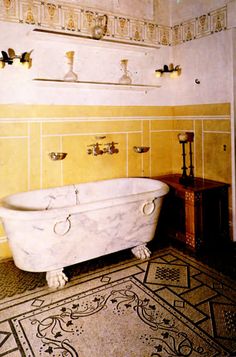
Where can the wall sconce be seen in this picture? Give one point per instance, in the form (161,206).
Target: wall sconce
(12,59)
(174,72)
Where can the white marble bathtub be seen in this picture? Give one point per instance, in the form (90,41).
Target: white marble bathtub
(52,228)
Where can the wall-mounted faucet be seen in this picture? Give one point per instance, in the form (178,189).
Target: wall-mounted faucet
(108,149)
(95,150)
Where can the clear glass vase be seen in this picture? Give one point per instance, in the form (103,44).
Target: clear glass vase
(70,75)
(125,78)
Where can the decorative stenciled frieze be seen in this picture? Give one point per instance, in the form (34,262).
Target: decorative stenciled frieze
(122,28)
(9,10)
(137,30)
(177,34)
(71,19)
(151,33)
(87,21)
(219,20)
(164,35)
(201,26)
(189,30)
(30,12)
(51,15)
(65,16)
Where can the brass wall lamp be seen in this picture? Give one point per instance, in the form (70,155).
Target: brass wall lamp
(171,70)
(11,58)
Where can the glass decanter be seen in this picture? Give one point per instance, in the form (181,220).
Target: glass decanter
(70,75)
(125,79)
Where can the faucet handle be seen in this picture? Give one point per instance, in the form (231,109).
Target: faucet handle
(95,149)
(110,148)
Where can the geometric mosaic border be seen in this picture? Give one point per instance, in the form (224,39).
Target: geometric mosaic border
(226,315)
(166,274)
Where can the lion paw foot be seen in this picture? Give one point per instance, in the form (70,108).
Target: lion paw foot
(141,252)
(56,278)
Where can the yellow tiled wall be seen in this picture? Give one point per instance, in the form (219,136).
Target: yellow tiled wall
(29,133)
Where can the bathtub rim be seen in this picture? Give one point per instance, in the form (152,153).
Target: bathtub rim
(9,212)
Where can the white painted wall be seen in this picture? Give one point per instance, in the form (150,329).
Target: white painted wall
(205,59)
(162,11)
(96,62)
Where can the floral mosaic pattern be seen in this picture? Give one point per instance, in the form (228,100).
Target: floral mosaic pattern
(171,305)
(59,334)
(70,17)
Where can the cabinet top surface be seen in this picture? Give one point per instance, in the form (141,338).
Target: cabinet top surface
(199,184)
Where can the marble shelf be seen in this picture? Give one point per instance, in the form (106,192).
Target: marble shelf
(96,85)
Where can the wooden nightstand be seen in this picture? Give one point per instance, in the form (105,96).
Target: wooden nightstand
(196,215)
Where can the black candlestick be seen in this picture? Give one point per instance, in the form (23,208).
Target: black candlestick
(191,175)
(184,177)
(183,138)
(191,167)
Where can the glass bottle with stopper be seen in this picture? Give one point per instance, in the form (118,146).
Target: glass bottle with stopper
(125,78)
(70,75)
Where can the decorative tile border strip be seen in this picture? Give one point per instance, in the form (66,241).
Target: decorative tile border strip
(212,22)
(72,18)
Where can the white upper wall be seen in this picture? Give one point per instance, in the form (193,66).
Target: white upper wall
(96,61)
(206,58)
(161,10)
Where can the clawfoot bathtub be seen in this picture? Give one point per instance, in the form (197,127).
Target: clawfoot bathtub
(52,228)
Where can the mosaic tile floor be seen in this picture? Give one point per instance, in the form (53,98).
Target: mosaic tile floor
(168,305)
